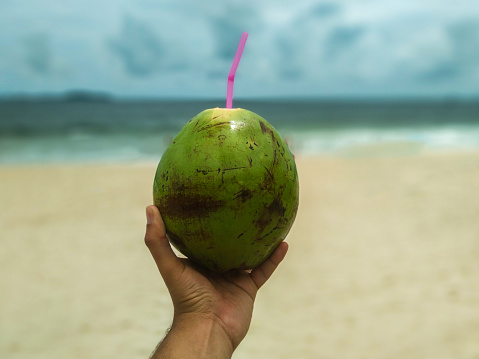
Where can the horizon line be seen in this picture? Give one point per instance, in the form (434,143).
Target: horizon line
(100,96)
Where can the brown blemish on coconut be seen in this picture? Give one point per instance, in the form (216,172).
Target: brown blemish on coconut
(268,180)
(265,129)
(185,201)
(244,195)
(188,204)
(272,213)
(266,235)
(221,139)
(277,207)
(213,125)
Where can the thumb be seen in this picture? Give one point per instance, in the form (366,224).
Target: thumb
(155,239)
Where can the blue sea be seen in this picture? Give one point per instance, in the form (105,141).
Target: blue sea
(107,130)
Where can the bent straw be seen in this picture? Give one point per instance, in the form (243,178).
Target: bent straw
(234,67)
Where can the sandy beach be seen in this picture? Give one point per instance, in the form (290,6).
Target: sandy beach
(383,263)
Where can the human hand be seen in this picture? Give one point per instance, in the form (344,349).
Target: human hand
(220,305)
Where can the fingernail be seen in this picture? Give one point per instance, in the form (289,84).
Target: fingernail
(149,215)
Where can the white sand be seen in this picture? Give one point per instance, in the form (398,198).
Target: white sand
(383,263)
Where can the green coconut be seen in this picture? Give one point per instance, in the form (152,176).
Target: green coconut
(227,189)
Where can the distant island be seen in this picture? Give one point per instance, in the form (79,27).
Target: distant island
(68,96)
(87,96)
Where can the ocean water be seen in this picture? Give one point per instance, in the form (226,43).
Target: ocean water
(56,131)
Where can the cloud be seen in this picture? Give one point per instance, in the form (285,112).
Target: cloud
(38,54)
(465,40)
(341,38)
(138,47)
(296,46)
(445,54)
(41,58)
(227,34)
(324,10)
(228,27)
(288,65)
(307,46)
(441,72)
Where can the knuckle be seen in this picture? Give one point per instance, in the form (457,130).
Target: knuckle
(150,240)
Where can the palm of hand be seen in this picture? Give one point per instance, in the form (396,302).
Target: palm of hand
(227,299)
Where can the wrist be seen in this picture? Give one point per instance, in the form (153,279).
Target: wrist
(198,336)
(207,332)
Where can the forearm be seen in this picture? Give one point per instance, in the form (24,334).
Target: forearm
(195,337)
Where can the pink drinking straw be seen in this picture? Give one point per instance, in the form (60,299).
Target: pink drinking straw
(234,67)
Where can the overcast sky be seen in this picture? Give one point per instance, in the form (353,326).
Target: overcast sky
(296,48)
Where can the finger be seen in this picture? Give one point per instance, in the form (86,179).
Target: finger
(262,273)
(155,239)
